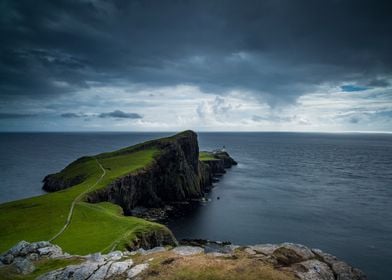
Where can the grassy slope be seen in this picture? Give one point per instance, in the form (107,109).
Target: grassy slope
(206,156)
(41,217)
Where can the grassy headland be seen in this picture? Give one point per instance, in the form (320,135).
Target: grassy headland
(101,224)
(204,156)
(64,216)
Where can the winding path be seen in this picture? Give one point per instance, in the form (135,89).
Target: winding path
(70,213)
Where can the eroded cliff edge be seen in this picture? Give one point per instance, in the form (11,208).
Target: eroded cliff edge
(176,175)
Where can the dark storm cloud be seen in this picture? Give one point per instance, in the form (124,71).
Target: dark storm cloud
(72,115)
(276,49)
(115,114)
(120,114)
(15,116)
(379,83)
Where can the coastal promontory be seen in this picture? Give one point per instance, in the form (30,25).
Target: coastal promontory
(97,222)
(94,199)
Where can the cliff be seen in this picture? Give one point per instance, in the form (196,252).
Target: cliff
(64,213)
(143,180)
(60,181)
(176,175)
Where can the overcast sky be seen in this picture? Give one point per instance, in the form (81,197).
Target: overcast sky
(274,65)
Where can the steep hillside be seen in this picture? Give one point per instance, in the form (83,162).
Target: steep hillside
(177,175)
(83,213)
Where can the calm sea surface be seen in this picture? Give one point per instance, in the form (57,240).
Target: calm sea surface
(330,191)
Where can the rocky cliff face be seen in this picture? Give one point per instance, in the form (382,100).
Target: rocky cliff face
(57,181)
(177,175)
(54,182)
(152,239)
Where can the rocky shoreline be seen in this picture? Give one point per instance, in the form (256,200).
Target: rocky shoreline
(294,261)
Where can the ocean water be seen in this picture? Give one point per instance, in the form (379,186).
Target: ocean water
(329,191)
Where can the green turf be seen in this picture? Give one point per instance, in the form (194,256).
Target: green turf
(103,226)
(94,227)
(204,156)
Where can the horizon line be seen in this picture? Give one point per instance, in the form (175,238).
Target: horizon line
(199,131)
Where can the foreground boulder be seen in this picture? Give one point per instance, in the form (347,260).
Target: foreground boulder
(306,263)
(23,254)
(285,261)
(104,269)
(32,251)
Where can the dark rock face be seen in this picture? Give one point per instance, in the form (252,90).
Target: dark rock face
(206,175)
(177,175)
(225,157)
(57,181)
(54,183)
(152,239)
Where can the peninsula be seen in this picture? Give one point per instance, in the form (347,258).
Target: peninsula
(89,197)
(90,213)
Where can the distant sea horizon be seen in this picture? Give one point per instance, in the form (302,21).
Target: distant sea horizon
(329,190)
(200,131)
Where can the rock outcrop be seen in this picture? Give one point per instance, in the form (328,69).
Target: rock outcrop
(57,181)
(293,261)
(306,263)
(176,175)
(23,254)
(106,267)
(152,239)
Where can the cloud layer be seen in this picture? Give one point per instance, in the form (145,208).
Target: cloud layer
(274,52)
(120,115)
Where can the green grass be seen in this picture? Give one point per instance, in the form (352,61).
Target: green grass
(205,156)
(94,227)
(103,227)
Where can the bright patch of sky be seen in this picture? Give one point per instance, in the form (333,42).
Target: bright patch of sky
(174,108)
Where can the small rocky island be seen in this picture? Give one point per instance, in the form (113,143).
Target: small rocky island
(102,209)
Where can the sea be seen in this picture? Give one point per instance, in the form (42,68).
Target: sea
(325,190)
